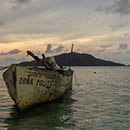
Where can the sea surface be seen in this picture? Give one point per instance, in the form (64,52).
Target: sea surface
(100,100)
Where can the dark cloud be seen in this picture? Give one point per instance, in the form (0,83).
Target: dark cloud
(106,46)
(117,26)
(48,49)
(123,46)
(12,52)
(121,7)
(15,51)
(56,50)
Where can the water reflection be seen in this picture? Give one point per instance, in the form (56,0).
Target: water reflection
(52,116)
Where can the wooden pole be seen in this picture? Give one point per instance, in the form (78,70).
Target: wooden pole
(70,60)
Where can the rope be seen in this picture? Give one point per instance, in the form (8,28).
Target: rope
(75,79)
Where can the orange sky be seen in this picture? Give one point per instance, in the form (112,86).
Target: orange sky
(95,27)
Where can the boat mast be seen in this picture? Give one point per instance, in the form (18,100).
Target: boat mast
(70,60)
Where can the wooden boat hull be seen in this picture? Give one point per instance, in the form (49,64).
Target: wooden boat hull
(30,86)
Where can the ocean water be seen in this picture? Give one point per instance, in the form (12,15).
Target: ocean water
(100,100)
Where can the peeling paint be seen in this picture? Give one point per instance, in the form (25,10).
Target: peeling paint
(35,85)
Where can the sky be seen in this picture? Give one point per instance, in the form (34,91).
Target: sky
(97,27)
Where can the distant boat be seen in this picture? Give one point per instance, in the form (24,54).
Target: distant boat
(28,86)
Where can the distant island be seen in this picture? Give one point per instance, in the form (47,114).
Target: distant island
(77,59)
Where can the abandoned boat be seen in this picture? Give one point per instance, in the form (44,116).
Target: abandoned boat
(28,86)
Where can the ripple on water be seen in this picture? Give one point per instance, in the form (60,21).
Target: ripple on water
(100,101)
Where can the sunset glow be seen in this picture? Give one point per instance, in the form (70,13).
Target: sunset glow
(100,28)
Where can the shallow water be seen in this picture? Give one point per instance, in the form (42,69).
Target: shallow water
(100,100)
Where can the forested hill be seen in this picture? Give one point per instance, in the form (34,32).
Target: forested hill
(78,59)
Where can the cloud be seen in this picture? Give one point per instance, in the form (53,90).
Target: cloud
(123,46)
(1,23)
(10,60)
(15,51)
(117,26)
(20,1)
(102,50)
(15,60)
(12,52)
(37,52)
(118,52)
(48,49)
(121,7)
(56,50)
(106,46)
(16,3)
(126,34)
(128,52)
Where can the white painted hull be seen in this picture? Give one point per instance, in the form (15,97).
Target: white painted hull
(29,86)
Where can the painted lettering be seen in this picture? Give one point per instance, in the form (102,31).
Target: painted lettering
(27,81)
(41,83)
(20,81)
(31,82)
(37,84)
